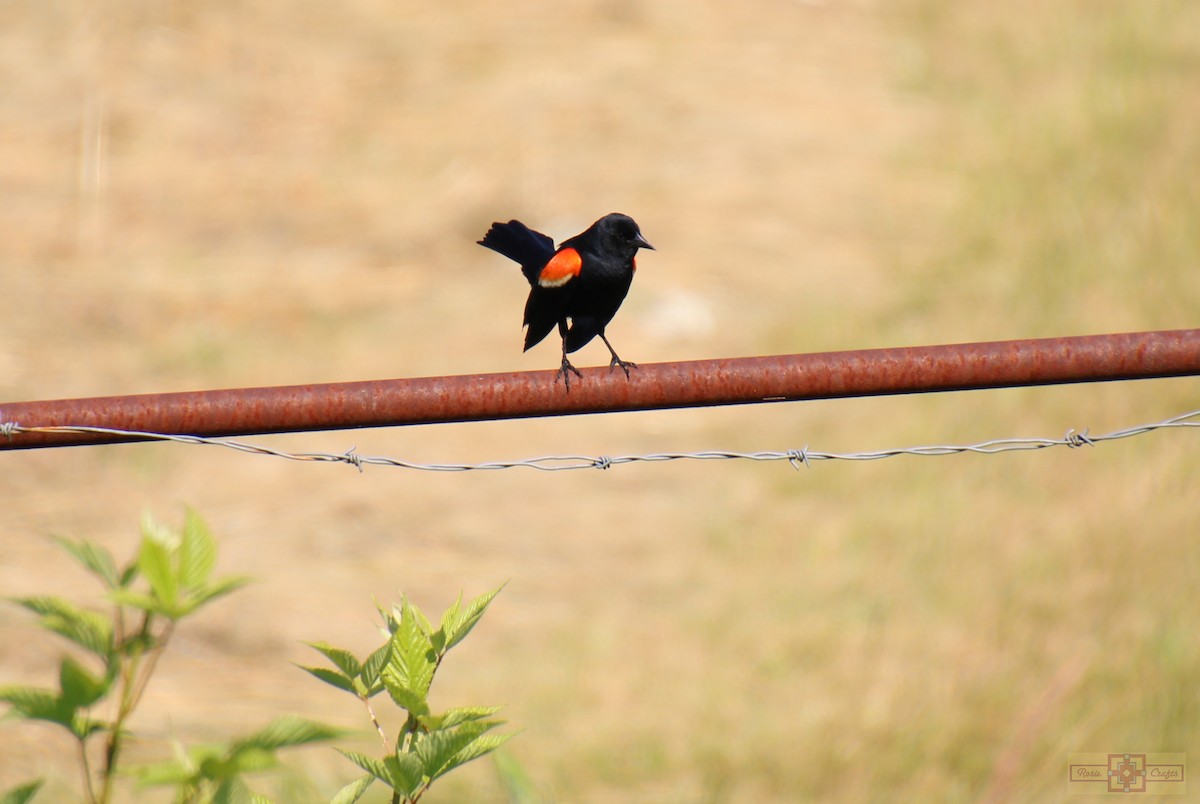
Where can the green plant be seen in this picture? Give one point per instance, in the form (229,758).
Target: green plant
(21,793)
(169,580)
(214,772)
(428,746)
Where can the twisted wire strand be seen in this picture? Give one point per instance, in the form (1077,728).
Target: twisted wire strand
(558,463)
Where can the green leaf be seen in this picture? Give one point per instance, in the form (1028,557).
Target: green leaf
(85,628)
(457,716)
(331,677)
(289,731)
(373,666)
(179,771)
(412,659)
(153,531)
(94,557)
(138,600)
(21,793)
(167,772)
(83,726)
(342,659)
(250,754)
(209,592)
(33,703)
(400,772)
(405,771)
(448,616)
(215,765)
(197,551)
(48,605)
(464,714)
(28,699)
(154,562)
(351,792)
(409,610)
(391,618)
(457,626)
(80,687)
(373,766)
(128,575)
(438,750)
(248,759)
(403,696)
(484,745)
(233,790)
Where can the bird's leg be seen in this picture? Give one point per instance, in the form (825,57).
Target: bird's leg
(565,369)
(625,365)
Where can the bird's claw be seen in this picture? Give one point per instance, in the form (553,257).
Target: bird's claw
(564,372)
(625,365)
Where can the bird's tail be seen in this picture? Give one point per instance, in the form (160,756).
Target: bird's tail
(532,250)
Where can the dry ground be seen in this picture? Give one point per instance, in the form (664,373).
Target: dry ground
(227,194)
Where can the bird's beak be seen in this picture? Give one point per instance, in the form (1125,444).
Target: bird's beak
(643,242)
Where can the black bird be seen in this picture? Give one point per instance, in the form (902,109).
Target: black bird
(582,283)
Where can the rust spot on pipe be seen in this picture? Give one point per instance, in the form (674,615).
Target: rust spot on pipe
(735,381)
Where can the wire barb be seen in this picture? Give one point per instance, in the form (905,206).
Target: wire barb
(1075,440)
(799,456)
(558,463)
(353,458)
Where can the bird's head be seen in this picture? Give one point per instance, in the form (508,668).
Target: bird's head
(622,232)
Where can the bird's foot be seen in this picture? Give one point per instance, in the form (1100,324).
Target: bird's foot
(625,365)
(565,371)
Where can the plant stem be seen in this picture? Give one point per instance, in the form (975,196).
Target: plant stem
(151,661)
(88,789)
(408,733)
(134,678)
(375,721)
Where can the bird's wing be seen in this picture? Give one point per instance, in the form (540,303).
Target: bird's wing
(562,268)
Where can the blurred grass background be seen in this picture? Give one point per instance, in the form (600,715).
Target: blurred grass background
(229,194)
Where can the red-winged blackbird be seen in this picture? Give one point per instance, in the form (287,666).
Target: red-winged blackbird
(584,281)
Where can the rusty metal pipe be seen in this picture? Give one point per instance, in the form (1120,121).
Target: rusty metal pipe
(734,381)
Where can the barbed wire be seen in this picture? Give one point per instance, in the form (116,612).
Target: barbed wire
(558,463)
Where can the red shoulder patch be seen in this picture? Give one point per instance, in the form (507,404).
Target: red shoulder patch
(562,268)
